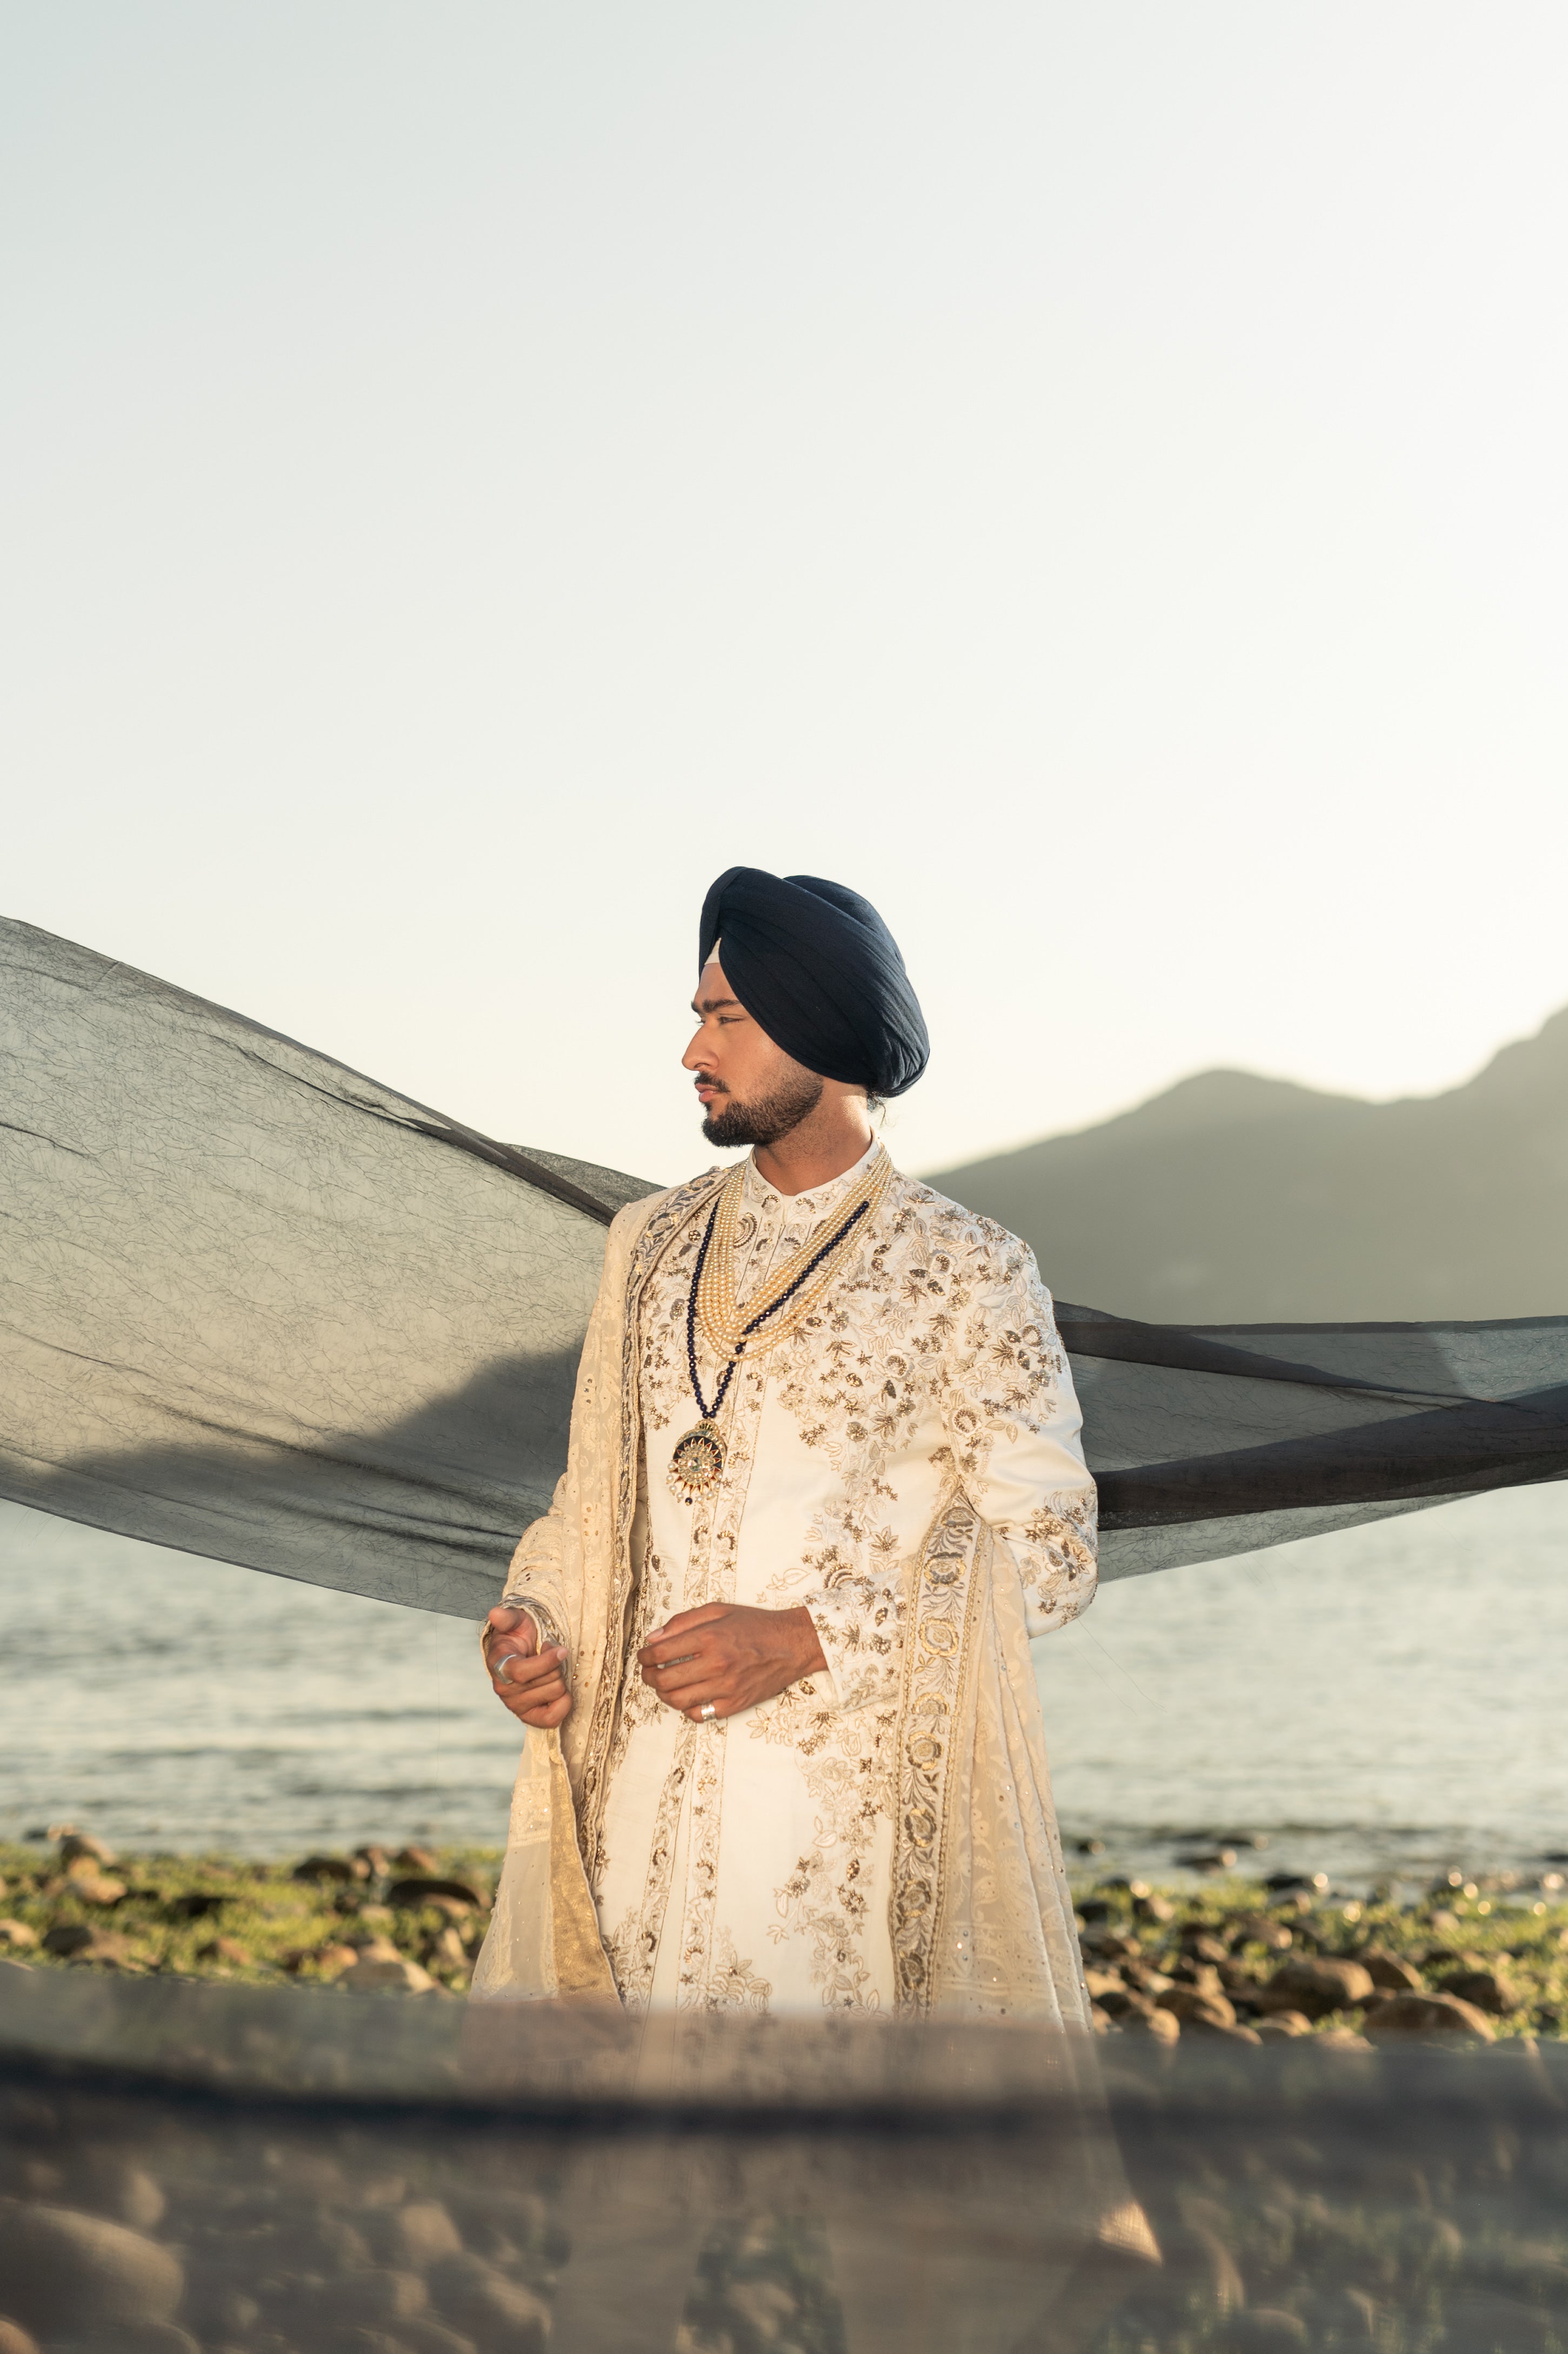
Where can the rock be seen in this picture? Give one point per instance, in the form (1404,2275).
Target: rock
(408,1894)
(371,2297)
(1340,2039)
(398,1975)
(421,2335)
(1109,1945)
(484,2303)
(1203,2004)
(1485,1989)
(109,2183)
(1425,2014)
(1230,2031)
(1202,1945)
(1258,1929)
(1316,1984)
(1391,1972)
(1117,2000)
(75,1843)
(1279,2025)
(374,1858)
(224,1950)
(14,2338)
(338,1868)
(414,2237)
(417,1859)
(65,2273)
(198,1903)
(448,1949)
(373,1947)
(376,1916)
(1102,1982)
(1202,1974)
(1163,2025)
(90,1885)
(1153,1908)
(82,1941)
(326,1957)
(18,1936)
(1266,2330)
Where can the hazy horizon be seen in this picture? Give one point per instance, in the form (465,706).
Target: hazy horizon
(1093,480)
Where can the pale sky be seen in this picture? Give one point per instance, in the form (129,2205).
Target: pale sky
(1092,478)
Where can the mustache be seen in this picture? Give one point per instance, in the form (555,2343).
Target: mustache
(717,1086)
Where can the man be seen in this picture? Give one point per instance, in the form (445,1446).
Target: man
(825,1483)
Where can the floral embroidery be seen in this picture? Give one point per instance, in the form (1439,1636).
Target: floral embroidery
(929,1379)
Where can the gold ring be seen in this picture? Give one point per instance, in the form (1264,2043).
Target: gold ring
(707,1710)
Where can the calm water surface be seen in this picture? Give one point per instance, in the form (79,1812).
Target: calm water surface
(1391,1699)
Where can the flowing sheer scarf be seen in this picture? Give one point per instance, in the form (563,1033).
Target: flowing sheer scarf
(264,1309)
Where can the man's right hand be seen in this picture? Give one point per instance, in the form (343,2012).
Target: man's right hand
(531,1683)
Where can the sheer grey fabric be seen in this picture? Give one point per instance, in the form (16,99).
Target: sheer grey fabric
(260,1308)
(243,2166)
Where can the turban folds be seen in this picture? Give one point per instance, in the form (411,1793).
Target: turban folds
(815,965)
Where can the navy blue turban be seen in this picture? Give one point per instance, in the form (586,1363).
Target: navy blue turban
(818,968)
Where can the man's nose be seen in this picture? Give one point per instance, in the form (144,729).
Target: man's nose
(698,1056)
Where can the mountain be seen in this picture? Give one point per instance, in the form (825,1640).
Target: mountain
(1235,1198)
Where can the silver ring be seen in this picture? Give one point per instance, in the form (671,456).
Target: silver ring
(502,1674)
(707,1710)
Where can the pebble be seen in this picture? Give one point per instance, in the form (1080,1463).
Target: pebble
(1486,1990)
(397,1975)
(224,1950)
(407,1895)
(484,2302)
(1390,1971)
(1425,2014)
(417,1859)
(1197,2006)
(1316,1984)
(18,1936)
(339,1868)
(83,1941)
(75,1843)
(64,2270)
(91,1885)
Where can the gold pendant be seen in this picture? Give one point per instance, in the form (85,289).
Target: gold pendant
(697,1465)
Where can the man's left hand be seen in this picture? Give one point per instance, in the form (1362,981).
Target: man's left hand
(725,1656)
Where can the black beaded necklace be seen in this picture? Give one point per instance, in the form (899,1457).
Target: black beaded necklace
(697,1463)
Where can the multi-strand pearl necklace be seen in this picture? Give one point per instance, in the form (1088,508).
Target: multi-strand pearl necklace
(778,1309)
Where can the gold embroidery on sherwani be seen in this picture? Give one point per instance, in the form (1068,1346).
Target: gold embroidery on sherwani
(681,1204)
(931,1369)
(935,1655)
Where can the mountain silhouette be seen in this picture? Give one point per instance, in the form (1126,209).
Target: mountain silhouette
(1235,1197)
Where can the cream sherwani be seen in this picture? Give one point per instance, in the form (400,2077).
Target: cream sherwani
(908,1466)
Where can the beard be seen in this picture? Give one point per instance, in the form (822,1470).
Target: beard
(770,1118)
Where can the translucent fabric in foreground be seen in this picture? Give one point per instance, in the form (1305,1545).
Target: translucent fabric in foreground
(260,2171)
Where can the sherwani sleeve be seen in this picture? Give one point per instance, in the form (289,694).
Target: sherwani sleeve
(534,1582)
(1016,1430)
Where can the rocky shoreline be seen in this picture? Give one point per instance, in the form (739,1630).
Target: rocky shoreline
(1253,1961)
(1257,1962)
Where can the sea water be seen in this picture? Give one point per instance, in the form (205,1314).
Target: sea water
(1389,1701)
